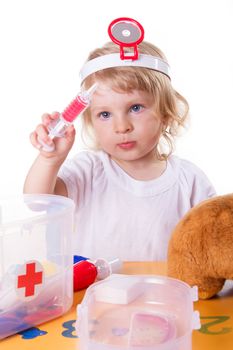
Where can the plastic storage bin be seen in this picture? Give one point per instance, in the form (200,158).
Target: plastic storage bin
(36,261)
(137,312)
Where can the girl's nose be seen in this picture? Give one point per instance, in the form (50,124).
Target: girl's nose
(123,125)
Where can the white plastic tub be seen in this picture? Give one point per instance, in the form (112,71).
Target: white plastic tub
(137,312)
(36,278)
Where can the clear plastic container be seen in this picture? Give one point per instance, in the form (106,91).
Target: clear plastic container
(137,312)
(36,260)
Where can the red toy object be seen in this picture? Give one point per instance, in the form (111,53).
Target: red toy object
(87,272)
(126,32)
(78,105)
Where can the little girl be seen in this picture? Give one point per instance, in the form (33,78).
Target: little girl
(128,189)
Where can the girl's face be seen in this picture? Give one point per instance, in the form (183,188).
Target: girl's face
(125,124)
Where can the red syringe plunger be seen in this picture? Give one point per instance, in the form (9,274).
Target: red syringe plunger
(78,105)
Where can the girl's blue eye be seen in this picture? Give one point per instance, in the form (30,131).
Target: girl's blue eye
(136,108)
(104,115)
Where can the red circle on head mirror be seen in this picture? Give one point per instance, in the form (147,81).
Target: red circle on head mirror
(126,32)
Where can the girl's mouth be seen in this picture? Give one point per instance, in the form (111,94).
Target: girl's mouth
(127,145)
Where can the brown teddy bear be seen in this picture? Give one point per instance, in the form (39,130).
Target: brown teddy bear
(200,250)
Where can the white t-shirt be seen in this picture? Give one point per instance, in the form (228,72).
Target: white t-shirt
(118,216)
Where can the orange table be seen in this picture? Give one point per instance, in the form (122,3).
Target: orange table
(216,318)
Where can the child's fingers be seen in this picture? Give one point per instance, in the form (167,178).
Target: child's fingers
(70,133)
(42,134)
(55,115)
(70,130)
(48,118)
(34,140)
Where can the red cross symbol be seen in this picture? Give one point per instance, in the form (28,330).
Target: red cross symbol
(31,278)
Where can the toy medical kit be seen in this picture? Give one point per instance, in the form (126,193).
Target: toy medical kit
(58,127)
(87,272)
(36,269)
(137,312)
(127,33)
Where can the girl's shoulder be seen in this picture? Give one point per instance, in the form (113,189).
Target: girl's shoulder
(191,177)
(185,167)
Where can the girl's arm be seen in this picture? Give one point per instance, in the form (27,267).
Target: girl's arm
(42,176)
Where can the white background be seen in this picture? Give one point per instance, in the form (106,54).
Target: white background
(45,42)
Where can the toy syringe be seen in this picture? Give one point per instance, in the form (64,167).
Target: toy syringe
(58,127)
(86,272)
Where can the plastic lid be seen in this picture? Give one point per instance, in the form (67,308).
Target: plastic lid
(137,312)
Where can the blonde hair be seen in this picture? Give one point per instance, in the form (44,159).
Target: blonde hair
(170,105)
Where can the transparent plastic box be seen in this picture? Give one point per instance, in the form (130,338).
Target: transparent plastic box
(137,312)
(36,261)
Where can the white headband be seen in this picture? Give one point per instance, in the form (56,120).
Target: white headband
(114,60)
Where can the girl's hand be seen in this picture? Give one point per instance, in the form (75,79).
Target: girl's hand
(60,145)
